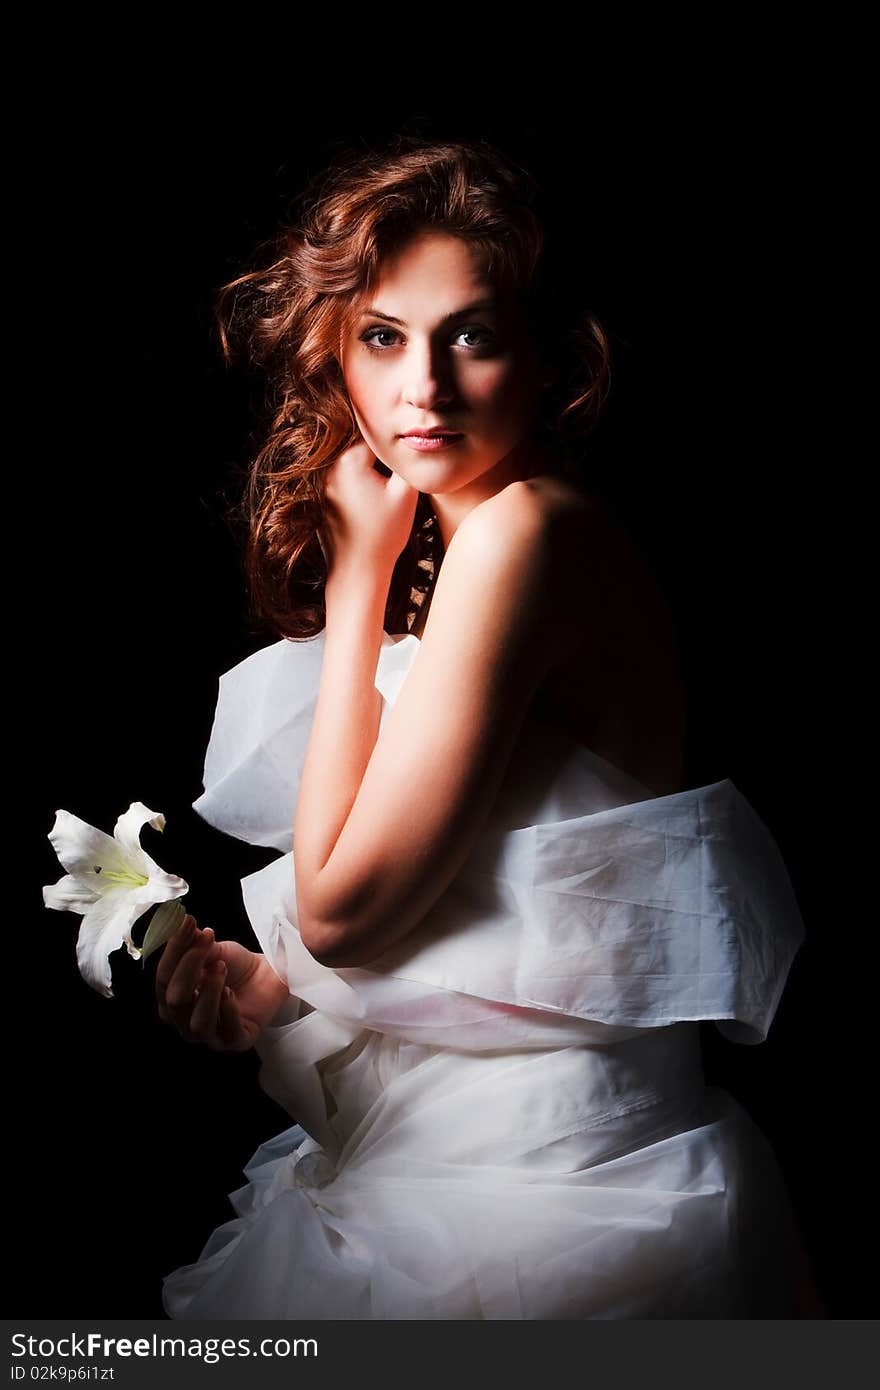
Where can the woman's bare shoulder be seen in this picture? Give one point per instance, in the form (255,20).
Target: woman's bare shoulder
(546,492)
(545,503)
(587,540)
(606,549)
(570,513)
(558,532)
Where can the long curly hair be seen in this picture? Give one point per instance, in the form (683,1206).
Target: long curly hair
(290,310)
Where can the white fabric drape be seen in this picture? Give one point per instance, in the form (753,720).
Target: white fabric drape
(505,1115)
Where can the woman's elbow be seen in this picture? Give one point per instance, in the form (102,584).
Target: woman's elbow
(340,945)
(326,936)
(358,929)
(321,942)
(331,947)
(319,936)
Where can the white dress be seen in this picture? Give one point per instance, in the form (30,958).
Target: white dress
(505,1116)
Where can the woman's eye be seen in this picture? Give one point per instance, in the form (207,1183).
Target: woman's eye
(477,333)
(371,337)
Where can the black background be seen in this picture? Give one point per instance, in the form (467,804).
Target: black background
(125,1140)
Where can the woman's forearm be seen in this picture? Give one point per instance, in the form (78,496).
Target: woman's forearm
(343,734)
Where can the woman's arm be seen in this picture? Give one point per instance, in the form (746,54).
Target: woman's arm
(346,721)
(382,826)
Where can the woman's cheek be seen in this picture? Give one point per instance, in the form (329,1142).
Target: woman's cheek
(359,396)
(365,426)
(495,387)
(519,395)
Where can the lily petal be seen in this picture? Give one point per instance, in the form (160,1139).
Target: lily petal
(72,893)
(161,886)
(105,927)
(82,848)
(127,830)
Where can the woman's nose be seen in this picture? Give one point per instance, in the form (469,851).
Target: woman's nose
(427,383)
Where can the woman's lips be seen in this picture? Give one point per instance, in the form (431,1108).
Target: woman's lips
(429,444)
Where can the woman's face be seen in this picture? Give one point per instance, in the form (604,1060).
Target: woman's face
(435,345)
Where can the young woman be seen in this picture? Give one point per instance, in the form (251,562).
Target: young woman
(484,958)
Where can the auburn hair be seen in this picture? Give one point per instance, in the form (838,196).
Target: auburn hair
(290,311)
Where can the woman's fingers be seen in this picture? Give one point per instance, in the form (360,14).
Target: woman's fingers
(172,952)
(189,969)
(203,1020)
(177,994)
(215,1018)
(191,989)
(228,1021)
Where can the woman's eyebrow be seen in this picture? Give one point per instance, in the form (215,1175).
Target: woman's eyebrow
(457,314)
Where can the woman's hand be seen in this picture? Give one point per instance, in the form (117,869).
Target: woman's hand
(369,518)
(216,992)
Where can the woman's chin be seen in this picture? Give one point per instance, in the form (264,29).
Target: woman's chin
(431,474)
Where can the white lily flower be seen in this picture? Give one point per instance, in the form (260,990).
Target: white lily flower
(112,881)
